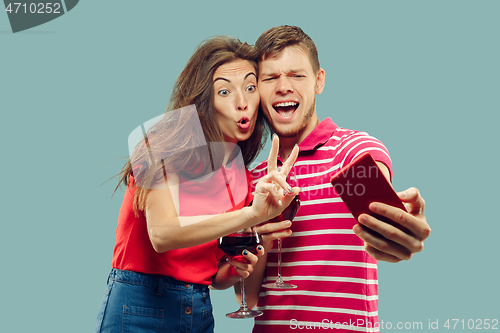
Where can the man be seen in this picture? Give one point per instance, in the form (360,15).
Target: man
(329,256)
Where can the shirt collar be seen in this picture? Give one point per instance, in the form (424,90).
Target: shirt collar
(319,136)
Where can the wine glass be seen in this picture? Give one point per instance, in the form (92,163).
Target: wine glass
(233,245)
(288,214)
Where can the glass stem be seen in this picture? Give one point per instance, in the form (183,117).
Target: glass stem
(279,260)
(243,301)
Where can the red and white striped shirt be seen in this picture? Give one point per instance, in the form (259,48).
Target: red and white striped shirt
(336,278)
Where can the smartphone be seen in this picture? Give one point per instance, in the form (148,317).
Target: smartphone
(360,183)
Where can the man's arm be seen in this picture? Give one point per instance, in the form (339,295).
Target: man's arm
(395,245)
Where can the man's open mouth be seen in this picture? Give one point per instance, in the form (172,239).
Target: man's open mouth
(285,109)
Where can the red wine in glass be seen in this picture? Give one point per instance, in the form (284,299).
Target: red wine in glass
(290,211)
(233,245)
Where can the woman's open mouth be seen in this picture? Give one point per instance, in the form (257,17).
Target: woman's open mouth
(244,123)
(285,109)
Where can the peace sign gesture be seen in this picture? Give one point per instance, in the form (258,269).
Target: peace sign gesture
(272,193)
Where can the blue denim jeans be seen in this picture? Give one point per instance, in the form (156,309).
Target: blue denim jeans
(135,302)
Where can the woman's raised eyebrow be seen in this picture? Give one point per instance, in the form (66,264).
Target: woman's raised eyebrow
(251,73)
(246,76)
(222,78)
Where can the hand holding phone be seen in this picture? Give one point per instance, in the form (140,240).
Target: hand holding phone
(360,183)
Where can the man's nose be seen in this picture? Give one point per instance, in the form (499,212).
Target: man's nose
(284,85)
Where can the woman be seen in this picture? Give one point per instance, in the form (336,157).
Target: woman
(166,253)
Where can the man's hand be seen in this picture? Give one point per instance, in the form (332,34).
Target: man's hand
(395,245)
(273,230)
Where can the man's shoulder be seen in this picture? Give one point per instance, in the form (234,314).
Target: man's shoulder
(342,133)
(342,136)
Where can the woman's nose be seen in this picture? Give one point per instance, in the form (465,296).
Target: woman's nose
(241,103)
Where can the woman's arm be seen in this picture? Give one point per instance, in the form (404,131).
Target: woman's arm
(166,231)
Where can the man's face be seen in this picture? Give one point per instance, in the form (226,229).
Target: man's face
(288,86)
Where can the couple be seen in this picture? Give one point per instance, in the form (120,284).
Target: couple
(161,271)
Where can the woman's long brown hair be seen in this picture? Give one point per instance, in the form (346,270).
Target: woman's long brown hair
(193,86)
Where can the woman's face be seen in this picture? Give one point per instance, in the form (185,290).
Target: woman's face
(236,99)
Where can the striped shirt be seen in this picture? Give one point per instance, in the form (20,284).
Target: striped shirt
(336,278)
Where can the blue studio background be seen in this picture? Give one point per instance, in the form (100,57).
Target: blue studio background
(422,76)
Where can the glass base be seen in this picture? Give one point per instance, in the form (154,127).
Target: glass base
(241,314)
(279,285)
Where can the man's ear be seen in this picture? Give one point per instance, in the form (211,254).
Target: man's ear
(320,81)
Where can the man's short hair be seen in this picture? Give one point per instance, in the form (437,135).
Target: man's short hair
(276,39)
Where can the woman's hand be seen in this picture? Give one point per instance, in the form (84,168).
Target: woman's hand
(231,271)
(244,269)
(272,193)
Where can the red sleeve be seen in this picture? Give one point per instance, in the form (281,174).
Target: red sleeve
(250,189)
(360,142)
